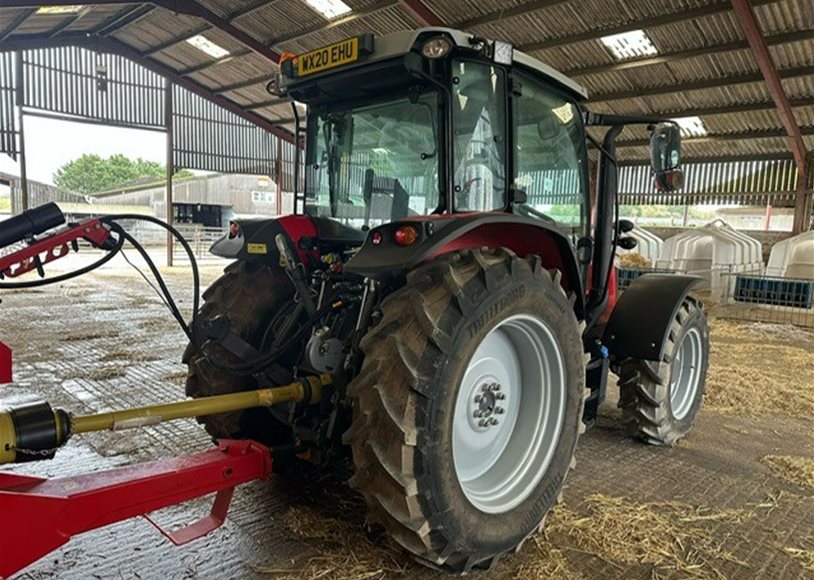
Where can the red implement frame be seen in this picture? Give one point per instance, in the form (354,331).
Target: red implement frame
(5,364)
(52,247)
(39,515)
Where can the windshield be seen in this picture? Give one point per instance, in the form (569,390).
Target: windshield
(374,164)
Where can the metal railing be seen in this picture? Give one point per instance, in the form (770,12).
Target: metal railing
(200,239)
(756,297)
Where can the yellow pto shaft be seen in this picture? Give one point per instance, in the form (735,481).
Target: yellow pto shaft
(36,431)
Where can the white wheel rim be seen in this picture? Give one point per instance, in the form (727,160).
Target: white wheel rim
(685,373)
(509,414)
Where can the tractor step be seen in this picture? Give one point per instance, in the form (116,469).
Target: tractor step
(39,515)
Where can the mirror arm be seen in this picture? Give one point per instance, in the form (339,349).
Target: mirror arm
(599,146)
(603,120)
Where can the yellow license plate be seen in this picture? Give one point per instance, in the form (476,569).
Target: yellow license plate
(328,57)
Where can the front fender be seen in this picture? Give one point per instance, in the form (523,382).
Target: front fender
(639,325)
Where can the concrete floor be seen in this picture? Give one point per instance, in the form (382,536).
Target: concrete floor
(104,341)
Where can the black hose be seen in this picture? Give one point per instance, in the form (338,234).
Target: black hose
(240,369)
(196,279)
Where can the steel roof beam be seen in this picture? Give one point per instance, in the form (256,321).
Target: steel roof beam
(122,19)
(194,8)
(355,15)
(773,40)
(14,24)
(509,12)
(714,83)
(68,21)
(212,63)
(731,109)
(176,40)
(421,12)
(242,84)
(716,159)
(644,24)
(264,104)
(373,9)
(722,137)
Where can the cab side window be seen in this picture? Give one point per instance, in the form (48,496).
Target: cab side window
(549,153)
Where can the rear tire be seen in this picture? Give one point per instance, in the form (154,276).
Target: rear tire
(418,367)
(248,293)
(660,401)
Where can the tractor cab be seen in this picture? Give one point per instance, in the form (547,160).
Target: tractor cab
(437,121)
(445,129)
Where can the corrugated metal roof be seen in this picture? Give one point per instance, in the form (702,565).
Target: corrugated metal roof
(703,63)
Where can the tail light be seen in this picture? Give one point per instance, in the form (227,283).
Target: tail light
(234,230)
(405,235)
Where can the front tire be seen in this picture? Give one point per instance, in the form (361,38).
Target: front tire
(660,401)
(451,487)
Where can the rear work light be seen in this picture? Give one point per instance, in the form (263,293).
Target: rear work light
(405,235)
(436,47)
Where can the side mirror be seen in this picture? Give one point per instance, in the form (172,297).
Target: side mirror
(665,156)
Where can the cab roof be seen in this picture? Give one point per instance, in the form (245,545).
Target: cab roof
(398,43)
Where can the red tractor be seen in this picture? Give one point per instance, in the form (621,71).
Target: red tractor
(442,307)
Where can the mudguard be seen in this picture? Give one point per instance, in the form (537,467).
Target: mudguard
(639,325)
(380,257)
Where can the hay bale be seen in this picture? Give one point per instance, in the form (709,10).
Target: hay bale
(634,260)
(796,470)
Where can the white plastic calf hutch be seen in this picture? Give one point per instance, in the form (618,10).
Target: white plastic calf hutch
(793,258)
(649,244)
(715,252)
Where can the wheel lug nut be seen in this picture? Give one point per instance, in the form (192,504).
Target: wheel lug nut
(478,398)
(493,421)
(496,387)
(483,423)
(477,414)
(500,410)
(500,396)
(484,387)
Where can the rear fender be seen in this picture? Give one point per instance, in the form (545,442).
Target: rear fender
(254,239)
(639,325)
(440,235)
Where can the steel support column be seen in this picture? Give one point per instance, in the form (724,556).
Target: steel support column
(21,132)
(170,169)
(803,199)
(760,50)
